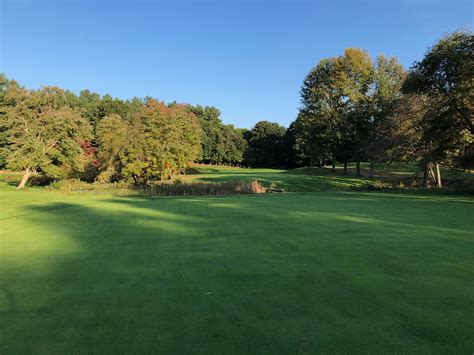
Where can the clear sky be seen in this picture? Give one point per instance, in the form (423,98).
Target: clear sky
(247,58)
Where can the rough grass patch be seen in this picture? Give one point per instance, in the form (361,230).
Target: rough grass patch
(74,185)
(177,188)
(202,188)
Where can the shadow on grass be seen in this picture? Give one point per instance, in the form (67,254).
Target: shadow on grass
(291,181)
(9,301)
(242,273)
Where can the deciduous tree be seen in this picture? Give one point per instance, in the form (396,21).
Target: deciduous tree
(160,142)
(388,80)
(42,133)
(266,145)
(445,80)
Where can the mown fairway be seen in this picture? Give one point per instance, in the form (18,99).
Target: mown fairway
(315,272)
(291,180)
(315,179)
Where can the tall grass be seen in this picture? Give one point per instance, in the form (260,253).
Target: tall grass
(202,188)
(176,188)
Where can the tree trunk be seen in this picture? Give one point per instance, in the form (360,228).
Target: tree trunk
(438,176)
(432,173)
(425,175)
(371,168)
(358,165)
(24,179)
(345,167)
(333,164)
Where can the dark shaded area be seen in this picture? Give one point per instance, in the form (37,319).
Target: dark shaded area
(281,273)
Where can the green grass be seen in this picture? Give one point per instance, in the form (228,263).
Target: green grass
(406,170)
(323,179)
(340,272)
(291,180)
(309,179)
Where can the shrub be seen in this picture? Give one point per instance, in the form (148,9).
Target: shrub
(73,185)
(201,188)
(10,177)
(40,180)
(69,185)
(105,176)
(257,188)
(275,188)
(379,185)
(163,189)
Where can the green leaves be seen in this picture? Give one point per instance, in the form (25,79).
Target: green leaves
(445,79)
(42,133)
(220,144)
(336,112)
(266,145)
(160,142)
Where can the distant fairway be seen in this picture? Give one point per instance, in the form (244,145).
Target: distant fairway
(315,272)
(291,180)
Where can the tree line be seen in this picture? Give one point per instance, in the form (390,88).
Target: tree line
(353,110)
(99,138)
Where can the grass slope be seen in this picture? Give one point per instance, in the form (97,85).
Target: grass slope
(291,180)
(326,272)
(323,179)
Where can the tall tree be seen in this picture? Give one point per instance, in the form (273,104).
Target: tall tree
(444,78)
(95,107)
(354,79)
(318,126)
(388,79)
(42,133)
(220,144)
(335,116)
(289,147)
(212,140)
(399,133)
(89,103)
(5,83)
(160,142)
(266,145)
(234,145)
(113,138)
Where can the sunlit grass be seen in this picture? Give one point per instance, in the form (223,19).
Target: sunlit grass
(289,180)
(338,272)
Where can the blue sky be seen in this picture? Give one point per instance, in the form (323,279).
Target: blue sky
(248,58)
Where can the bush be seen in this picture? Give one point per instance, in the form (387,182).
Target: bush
(69,185)
(105,176)
(257,188)
(201,188)
(164,189)
(39,180)
(72,185)
(379,185)
(10,177)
